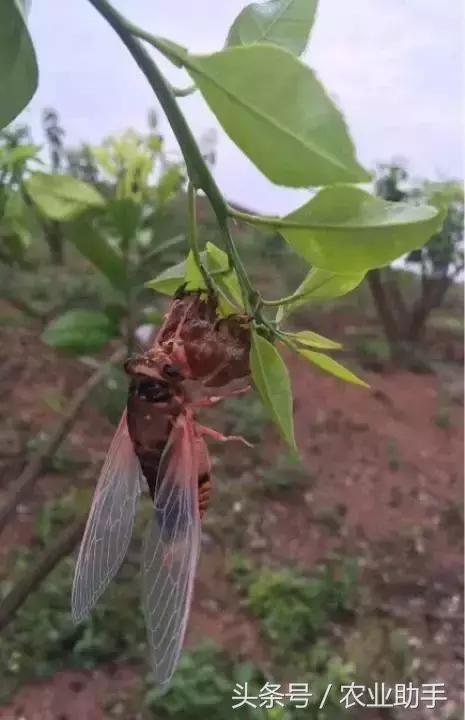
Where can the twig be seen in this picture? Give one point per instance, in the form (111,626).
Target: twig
(33,576)
(33,469)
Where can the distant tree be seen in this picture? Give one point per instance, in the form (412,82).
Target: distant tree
(54,134)
(438,263)
(81,164)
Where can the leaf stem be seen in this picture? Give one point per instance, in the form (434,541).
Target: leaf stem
(251,219)
(285,300)
(276,222)
(288,299)
(272,221)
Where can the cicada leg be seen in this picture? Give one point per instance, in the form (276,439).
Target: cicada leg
(215,435)
(215,399)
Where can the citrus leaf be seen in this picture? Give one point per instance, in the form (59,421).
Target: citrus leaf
(326,363)
(318,285)
(217,261)
(274,108)
(18,64)
(62,197)
(193,276)
(124,215)
(313,339)
(186,271)
(94,246)
(286,23)
(19,224)
(79,331)
(15,157)
(168,281)
(271,378)
(346,230)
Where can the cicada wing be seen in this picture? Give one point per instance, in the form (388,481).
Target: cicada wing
(171,551)
(110,523)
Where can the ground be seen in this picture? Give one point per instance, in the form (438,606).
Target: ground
(382,482)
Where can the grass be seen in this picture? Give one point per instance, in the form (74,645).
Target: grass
(296,609)
(203,687)
(244,416)
(285,473)
(42,638)
(373,352)
(297,613)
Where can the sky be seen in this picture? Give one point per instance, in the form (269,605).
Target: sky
(394,67)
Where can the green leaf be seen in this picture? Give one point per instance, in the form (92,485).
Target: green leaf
(17,156)
(271,378)
(273,107)
(168,185)
(326,363)
(161,247)
(186,271)
(79,331)
(313,339)
(19,225)
(18,65)
(62,197)
(94,246)
(125,216)
(346,230)
(286,23)
(193,276)
(217,261)
(319,285)
(168,281)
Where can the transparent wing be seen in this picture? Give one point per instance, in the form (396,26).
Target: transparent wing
(109,525)
(171,551)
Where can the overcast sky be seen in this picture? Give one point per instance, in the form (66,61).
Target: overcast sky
(395,68)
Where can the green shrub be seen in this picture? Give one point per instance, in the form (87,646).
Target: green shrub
(295,609)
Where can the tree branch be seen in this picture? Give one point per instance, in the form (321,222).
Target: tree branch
(430,299)
(378,291)
(33,576)
(33,469)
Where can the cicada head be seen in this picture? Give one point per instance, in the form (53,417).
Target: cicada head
(156,363)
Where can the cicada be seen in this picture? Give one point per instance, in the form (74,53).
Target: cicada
(159,444)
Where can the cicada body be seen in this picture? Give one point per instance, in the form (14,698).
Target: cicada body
(160,444)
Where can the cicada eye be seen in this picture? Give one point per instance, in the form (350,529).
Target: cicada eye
(172,371)
(154,391)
